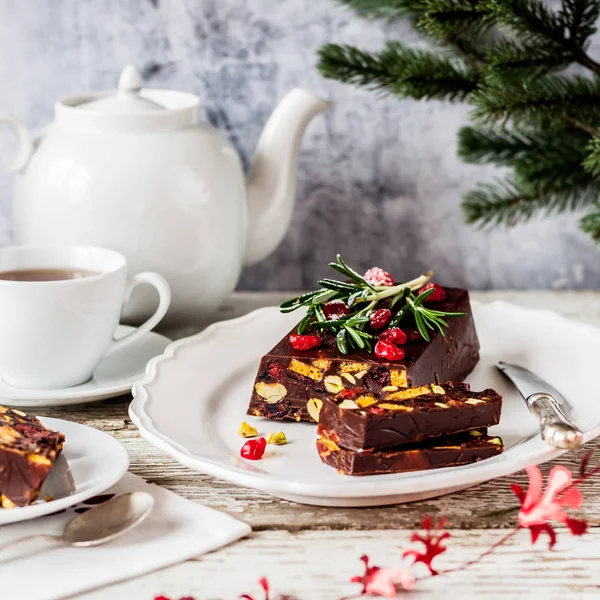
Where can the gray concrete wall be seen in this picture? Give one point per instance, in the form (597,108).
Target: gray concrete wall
(379,180)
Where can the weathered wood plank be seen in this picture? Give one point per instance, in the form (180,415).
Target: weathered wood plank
(318,566)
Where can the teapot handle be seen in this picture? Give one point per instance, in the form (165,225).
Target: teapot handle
(25,144)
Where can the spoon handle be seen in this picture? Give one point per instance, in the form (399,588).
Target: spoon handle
(30,538)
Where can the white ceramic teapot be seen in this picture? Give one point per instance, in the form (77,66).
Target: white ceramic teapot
(137,171)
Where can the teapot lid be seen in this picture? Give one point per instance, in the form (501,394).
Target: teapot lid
(127,99)
(129,108)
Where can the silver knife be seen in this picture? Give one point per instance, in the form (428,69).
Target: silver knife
(547,404)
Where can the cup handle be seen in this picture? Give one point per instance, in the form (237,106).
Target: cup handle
(164,294)
(25,144)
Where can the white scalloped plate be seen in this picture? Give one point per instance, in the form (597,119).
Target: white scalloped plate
(193,398)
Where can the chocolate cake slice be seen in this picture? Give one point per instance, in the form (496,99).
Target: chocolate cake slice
(292,384)
(451,451)
(28,451)
(399,416)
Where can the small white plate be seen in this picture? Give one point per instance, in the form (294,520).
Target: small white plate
(113,376)
(95,462)
(193,398)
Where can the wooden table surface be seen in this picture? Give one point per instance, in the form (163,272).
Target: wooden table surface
(311,552)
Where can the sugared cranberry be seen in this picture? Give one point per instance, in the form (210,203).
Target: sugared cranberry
(304,342)
(277,372)
(380,318)
(388,351)
(377,276)
(254,449)
(393,335)
(336,309)
(439,293)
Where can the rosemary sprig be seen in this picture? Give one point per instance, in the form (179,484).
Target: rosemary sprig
(362,298)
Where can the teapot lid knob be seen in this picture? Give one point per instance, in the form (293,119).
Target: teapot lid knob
(130,80)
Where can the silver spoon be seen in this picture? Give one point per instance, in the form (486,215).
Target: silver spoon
(100,524)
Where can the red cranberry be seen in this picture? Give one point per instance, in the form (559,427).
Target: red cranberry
(254,449)
(377,276)
(304,342)
(277,372)
(380,318)
(439,293)
(393,335)
(350,393)
(388,351)
(335,309)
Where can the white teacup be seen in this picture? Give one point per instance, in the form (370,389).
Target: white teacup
(53,333)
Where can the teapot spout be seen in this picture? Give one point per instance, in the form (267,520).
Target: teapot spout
(271,183)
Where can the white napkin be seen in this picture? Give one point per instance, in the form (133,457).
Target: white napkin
(177,530)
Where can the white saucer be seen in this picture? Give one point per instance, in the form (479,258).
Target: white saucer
(113,376)
(193,398)
(90,463)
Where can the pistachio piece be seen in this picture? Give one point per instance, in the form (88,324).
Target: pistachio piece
(474,401)
(276,438)
(313,406)
(438,389)
(333,384)
(348,404)
(350,378)
(270,392)
(390,388)
(361,374)
(247,431)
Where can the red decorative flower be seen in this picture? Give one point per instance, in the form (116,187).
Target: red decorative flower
(264,584)
(386,582)
(432,540)
(383,582)
(377,276)
(538,508)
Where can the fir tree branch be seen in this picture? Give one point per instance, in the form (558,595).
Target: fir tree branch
(400,70)
(506,202)
(550,100)
(592,161)
(390,10)
(590,224)
(580,17)
(510,148)
(445,19)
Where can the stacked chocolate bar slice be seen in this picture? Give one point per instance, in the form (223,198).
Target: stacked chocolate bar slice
(397,430)
(381,416)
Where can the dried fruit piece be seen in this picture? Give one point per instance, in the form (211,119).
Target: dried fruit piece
(254,449)
(393,335)
(377,276)
(439,293)
(313,406)
(277,371)
(304,342)
(333,384)
(380,318)
(276,438)
(335,309)
(247,431)
(388,351)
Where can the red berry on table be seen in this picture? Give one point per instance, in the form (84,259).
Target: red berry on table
(388,351)
(304,342)
(439,293)
(380,318)
(377,276)
(393,335)
(335,310)
(254,449)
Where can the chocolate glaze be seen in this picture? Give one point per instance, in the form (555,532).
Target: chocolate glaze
(28,451)
(452,451)
(449,358)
